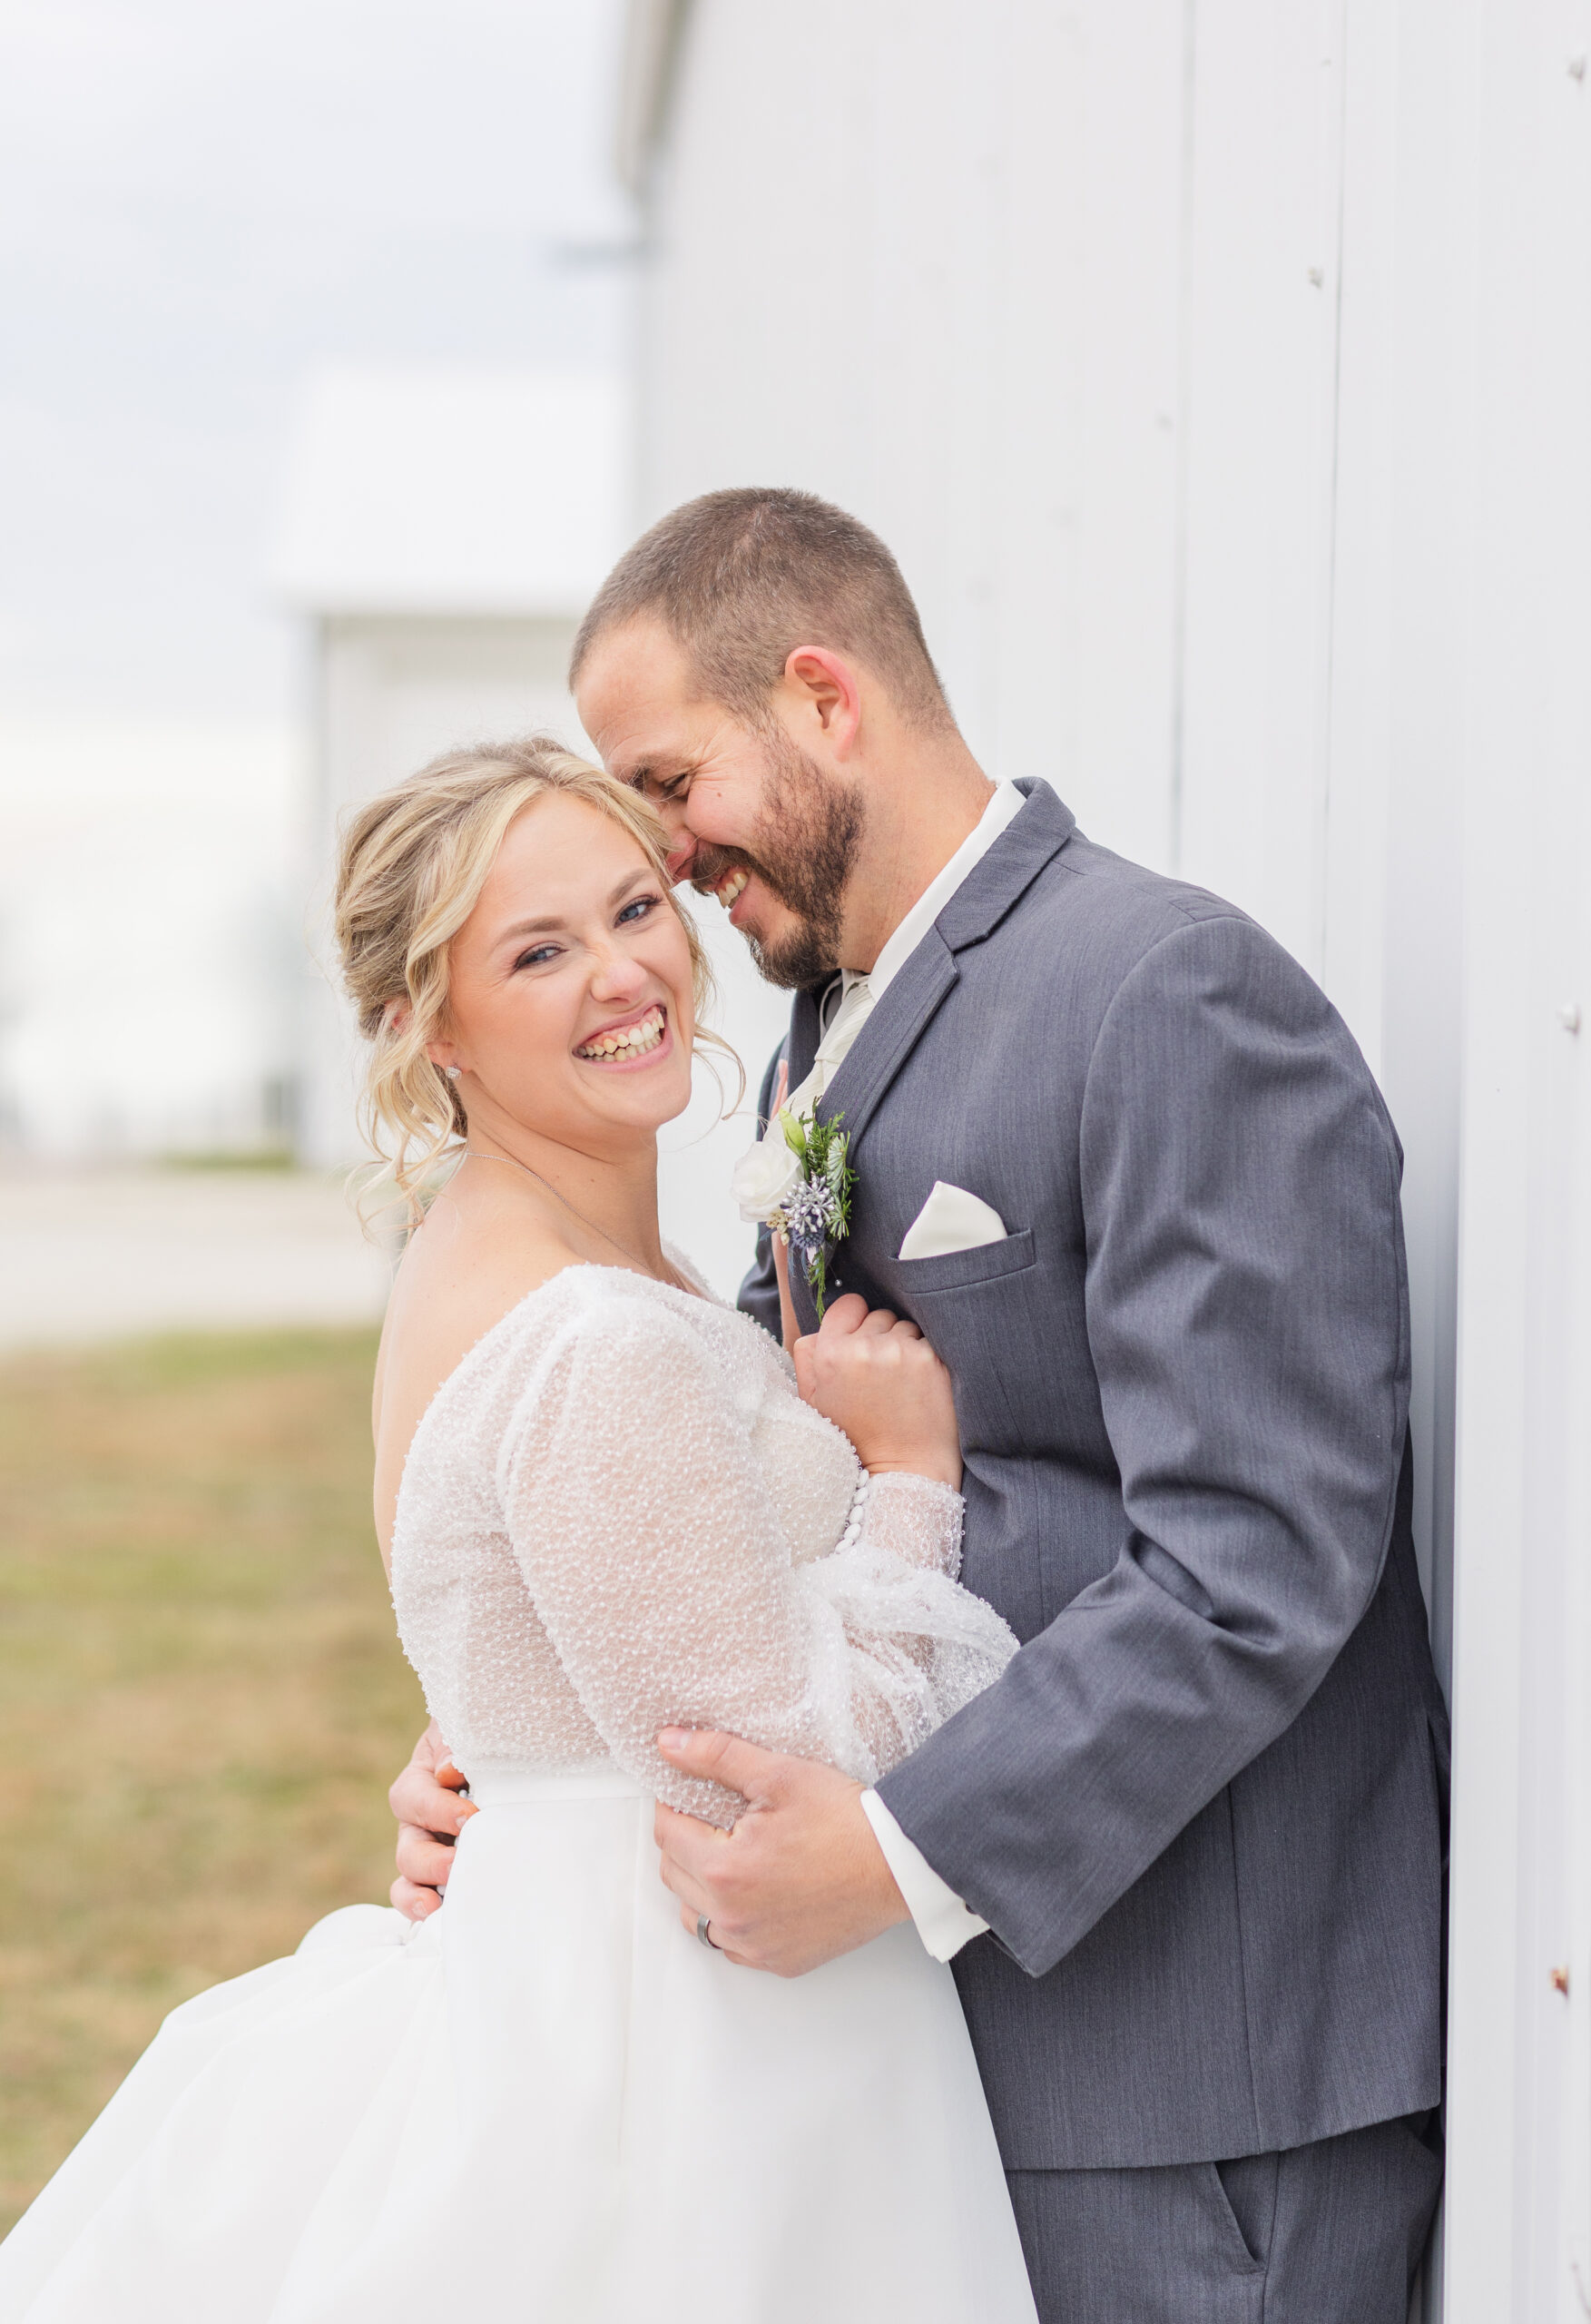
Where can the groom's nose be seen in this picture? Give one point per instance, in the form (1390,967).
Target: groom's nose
(680,843)
(683,849)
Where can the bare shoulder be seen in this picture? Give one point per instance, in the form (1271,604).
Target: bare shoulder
(463,1271)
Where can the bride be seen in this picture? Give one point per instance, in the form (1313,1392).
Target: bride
(605,1510)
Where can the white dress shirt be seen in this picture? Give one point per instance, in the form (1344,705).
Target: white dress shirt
(1006,804)
(851,999)
(943,1920)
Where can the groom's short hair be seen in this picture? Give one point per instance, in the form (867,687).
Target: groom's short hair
(740,578)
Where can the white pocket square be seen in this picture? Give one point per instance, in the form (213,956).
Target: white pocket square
(951,1220)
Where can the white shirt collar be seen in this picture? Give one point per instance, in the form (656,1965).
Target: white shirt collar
(1006,803)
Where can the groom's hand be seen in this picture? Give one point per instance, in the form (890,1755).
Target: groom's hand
(799,1879)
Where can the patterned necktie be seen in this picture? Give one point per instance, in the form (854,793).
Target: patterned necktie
(849,1017)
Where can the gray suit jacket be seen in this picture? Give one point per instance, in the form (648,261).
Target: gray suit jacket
(1201,1811)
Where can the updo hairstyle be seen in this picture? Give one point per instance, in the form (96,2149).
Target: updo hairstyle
(411,867)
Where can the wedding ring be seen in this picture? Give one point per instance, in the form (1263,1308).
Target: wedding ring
(701,1936)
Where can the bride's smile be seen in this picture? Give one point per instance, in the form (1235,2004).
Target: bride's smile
(570,1006)
(638,1039)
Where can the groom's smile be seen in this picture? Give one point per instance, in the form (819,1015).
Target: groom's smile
(728,884)
(778,706)
(753,818)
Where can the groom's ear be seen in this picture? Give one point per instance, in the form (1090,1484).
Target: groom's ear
(822,687)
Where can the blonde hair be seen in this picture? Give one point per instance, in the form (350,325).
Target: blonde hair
(410,871)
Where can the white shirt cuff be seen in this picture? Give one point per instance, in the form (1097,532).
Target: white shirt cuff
(943,1922)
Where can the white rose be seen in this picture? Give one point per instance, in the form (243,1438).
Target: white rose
(764,1176)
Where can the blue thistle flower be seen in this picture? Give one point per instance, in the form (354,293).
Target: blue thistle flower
(817,1211)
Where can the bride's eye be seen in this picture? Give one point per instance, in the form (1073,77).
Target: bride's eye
(536,955)
(637,910)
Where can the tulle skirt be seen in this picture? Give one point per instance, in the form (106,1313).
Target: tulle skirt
(546,2104)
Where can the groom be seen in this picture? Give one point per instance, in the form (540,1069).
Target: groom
(1186,1854)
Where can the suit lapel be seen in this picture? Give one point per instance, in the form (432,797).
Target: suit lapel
(889,1036)
(984,898)
(1009,869)
(805,1032)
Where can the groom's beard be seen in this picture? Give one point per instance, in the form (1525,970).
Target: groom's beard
(805,846)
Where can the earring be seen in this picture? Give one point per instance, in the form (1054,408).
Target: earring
(452,1072)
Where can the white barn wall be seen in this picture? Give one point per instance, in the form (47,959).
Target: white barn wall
(1521,2173)
(1078,279)
(885,308)
(1219,370)
(1262,224)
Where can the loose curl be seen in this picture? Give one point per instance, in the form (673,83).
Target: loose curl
(410,871)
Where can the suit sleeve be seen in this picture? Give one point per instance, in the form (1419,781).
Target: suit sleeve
(758,1295)
(1247,1318)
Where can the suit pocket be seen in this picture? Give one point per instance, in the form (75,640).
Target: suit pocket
(1239,2244)
(980,1310)
(956,1270)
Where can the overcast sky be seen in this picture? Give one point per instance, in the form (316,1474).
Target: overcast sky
(199,199)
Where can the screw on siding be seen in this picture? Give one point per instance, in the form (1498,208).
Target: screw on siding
(1558,1979)
(1576,68)
(1568,1016)
(1317,276)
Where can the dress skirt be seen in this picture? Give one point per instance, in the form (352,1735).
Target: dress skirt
(546,2104)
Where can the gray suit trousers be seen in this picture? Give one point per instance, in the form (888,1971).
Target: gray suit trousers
(1330,2233)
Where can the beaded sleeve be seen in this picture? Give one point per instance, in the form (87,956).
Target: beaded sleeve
(652,1547)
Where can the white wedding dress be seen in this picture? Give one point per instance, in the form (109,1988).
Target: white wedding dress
(547,2104)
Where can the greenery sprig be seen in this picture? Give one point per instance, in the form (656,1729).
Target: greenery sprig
(816,1214)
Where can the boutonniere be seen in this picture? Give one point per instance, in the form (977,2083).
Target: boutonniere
(797,1182)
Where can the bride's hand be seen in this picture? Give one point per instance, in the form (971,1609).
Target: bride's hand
(877,1378)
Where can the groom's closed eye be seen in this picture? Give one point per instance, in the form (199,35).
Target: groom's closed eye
(654,785)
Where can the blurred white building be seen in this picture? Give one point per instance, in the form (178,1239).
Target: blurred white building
(149,936)
(1219,371)
(443,533)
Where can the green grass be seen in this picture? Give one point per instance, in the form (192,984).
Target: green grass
(201,1698)
(227,1157)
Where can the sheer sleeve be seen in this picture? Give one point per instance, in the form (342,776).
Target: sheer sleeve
(658,1567)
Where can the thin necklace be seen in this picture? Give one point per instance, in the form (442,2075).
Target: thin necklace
(590,1224)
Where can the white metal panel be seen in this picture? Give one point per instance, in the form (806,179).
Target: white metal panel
(1266,194)
(1125,327)
(1395,720)
(882,283)
(1515,2215)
